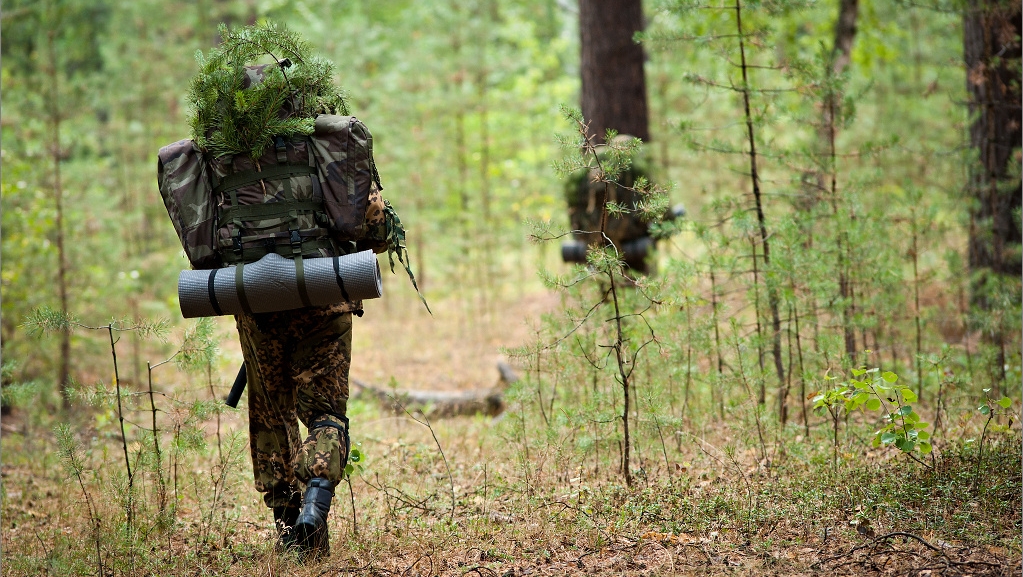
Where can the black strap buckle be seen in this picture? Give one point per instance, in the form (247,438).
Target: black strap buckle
(238,244)
(296,242)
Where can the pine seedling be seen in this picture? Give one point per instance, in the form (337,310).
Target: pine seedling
(13,393)
(200,347)
(45,320)
(74,466)
(605,166)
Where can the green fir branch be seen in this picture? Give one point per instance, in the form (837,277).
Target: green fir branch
(228,117)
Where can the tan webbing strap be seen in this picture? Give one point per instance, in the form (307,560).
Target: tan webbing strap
(296,249)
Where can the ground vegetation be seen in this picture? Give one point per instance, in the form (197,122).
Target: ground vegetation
(812,383)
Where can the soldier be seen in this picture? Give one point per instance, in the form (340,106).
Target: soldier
(306,193)
(297,365)
(586,197)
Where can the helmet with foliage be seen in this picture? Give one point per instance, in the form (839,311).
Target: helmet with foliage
(585,195)
(261,82)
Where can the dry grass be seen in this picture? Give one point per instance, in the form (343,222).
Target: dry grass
(534,504)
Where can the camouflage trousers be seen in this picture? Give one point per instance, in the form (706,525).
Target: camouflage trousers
(297,364)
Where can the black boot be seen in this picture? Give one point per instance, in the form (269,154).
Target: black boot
(284,520)
(311,525)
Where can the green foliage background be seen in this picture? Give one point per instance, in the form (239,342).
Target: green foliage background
(465,102)
(463,99)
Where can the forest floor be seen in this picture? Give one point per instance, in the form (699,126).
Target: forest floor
(495,504)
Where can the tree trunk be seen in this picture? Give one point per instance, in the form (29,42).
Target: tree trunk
(613,82)
(841,54)
(56,154)
(845,33)
(991,51)
(614,97)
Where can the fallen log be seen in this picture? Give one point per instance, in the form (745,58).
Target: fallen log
(444,404)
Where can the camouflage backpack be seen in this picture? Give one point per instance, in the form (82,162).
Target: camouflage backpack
(306,196)
(274,165)
(316,195)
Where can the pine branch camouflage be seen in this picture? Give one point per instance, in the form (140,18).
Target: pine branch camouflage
(239,109)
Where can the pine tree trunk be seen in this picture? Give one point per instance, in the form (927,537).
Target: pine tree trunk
(54,113)
(841,54)
(991,49)
(613,82)
(845,34)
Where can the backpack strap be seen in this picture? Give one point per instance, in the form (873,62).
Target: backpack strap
(340,281)
(239,285)
(267,210)
(211,289)
(277,171)
(252,248)
(296,251)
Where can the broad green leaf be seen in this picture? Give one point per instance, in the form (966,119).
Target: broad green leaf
(923,435)
(889,376)
(984,409)
(908,396)
(888,438)
(905,410)
(905,445)
(873,404)
(858,372)
(925,448)
(1005,402)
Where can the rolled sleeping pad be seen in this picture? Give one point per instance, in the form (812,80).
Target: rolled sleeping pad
(271,284)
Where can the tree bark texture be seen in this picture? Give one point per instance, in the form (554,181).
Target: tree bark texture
(841,55)
(613,82)
(845,33)
(56,153)
(991,50)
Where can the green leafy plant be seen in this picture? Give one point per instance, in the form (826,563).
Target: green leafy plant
(355,460)
(991,409)
(872,390)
